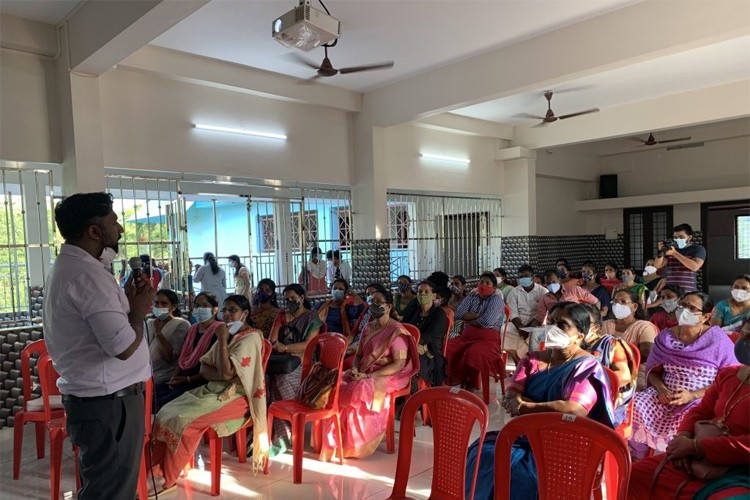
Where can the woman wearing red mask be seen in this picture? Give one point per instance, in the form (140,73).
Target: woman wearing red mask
(477,349)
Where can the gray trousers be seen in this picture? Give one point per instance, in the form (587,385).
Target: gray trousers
(109,434)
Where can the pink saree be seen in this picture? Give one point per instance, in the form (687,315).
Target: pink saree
(363,403)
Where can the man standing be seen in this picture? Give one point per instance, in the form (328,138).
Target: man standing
(682,262)
(337,269)
(94,335)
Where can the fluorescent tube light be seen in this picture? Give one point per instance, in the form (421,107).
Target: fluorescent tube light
(242,131)
(445,158)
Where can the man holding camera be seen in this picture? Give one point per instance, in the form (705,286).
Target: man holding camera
(682,258)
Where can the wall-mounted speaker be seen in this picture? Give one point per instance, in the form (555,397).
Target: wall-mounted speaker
(608,186)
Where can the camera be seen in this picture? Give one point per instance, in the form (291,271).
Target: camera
(666,245)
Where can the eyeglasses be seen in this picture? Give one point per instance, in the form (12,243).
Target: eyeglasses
(692,309)
(622,302)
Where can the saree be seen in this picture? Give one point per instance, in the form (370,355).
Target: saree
(729,322)
(364,403)
(571,381)
(175,418)
(264,319)
(603,350)
(692,367)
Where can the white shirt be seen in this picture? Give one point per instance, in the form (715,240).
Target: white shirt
(86,326)
(524,304)
(318,271)
(346,271)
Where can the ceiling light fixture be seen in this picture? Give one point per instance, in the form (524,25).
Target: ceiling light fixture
(428,156)
(242,131)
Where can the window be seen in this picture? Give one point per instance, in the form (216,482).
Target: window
(742,236)
(398,220)
(268,234)
(343,216)
(644,229)
(310,227)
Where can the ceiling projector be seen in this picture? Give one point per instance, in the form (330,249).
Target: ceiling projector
(305,28)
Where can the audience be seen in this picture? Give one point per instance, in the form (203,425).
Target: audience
(683,362)
(592,284)
(477,349)
(405,300)
(682,259)
(337,269)
(313,274)
(457,287)
(433,325)
(523,302)
(629,283)
(730,313)
(234,393)
(212,278)
(166,333)
(669,299)
(561,293)
(242,284)
(610,279)
(502,282)
(386,360)
(266,306)
(341,312)
(651,278)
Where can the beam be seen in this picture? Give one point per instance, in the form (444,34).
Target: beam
(449,122)
(224,75)
(101,34)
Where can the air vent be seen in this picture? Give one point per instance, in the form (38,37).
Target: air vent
(685,146)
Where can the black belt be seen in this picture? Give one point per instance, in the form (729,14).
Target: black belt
(130,390)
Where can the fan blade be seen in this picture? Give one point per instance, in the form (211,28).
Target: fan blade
(674,140)
(297,59)
(529,116)
(369,67)
(540,124)
(571,115)
(308,81)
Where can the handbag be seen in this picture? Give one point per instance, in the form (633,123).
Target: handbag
(703,469)
(316,389)
(281,364)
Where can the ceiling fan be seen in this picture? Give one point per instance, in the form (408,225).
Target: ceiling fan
(651,141)
(550,116)
(326,69)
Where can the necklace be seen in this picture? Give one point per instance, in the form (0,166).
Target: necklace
(727,409)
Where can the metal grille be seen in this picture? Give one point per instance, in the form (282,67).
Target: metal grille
(28,241)
(659,229)
(453,234)
(636,238)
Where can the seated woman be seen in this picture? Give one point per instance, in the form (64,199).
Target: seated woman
(730,313)
(610,279)
(651,278)
(234,395)
(726,400)
(669,299)
(266,306)
(563,378)
(166,333)
(432,323)
(457,287)
(364,318)
(630,325)
(290,334)
(339,315)
(592,284)
(683,363)
(615,354)
(200,337)
(629,283)
(502,282)
(477,349)
(405,300)
(385,362)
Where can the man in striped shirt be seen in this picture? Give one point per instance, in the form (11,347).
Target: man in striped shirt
(682,260)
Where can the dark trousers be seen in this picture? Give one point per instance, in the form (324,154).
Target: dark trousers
(109,434)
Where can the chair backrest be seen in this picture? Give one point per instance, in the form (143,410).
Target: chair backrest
(568,452)
(453,413)
(48,380)
(413,331)
(451,320)
(37,347)
(614,383)
(506,312)
(331,349)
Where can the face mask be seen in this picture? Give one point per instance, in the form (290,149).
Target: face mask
(426,299)
(587,277)
(525,281)
(554,287)
(681,242)
(686,318)
(202,314)
(499,280)
(649,270)
(108,257)
(556,338)
(621,311)
(740,295)
(377,311)
(292,306)
(369,299)
(561,273)
(404,287)
(234,326)
(485,290)
(454,289)
(669,305)
(627,279)
(742,350)
(262,296)
(338,295)
(160,312)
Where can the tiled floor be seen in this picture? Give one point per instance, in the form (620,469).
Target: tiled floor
(371,477)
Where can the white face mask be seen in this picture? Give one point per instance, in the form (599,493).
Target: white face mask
(160,312)
(556,338)
(107,257)
(234,326)
(649,270)
(621,311)
(669,305)
(740,295)
(685,317)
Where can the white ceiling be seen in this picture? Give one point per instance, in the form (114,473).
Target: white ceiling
(694,69)
(45,11)
(418,35)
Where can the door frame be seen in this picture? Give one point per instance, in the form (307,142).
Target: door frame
(705,208)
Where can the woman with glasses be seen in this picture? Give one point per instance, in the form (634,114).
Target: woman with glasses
(630,324)
(683,363)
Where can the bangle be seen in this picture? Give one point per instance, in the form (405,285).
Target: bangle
(188,379)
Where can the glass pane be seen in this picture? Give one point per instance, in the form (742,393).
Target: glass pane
(742,236)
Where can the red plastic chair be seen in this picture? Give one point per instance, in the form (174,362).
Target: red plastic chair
(55,426)
(33,409)
(332,349)
(148,402)
(215,442)
(390,430)
(504,356)
(568,452)
(454,411)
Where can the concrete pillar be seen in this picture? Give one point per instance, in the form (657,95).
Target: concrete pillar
(519,202)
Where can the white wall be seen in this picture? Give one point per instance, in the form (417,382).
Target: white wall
(147,124)
(555,206)
(575,162)
(406,170)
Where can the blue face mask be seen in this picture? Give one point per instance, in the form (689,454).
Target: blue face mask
(553,287)
(525,281)
(202,314)
(338,295)
(681,242)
